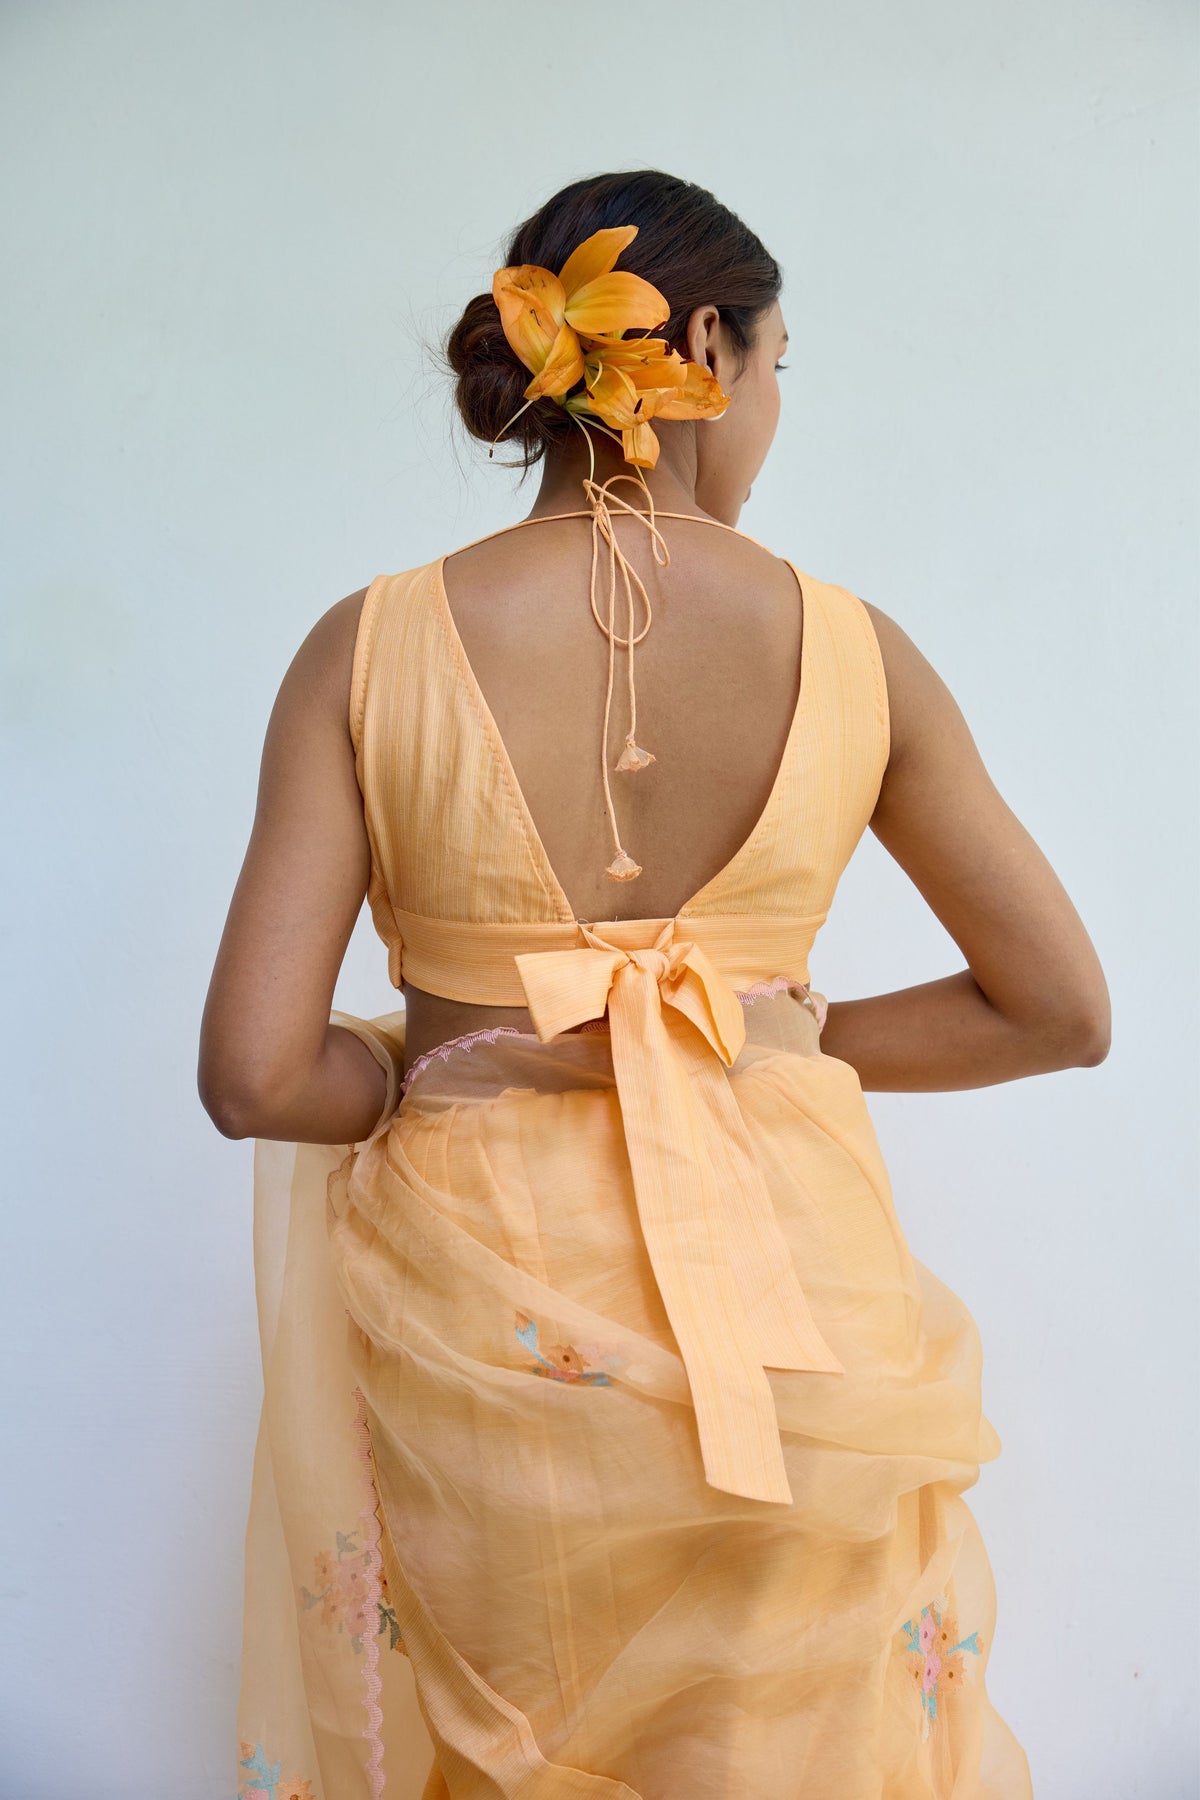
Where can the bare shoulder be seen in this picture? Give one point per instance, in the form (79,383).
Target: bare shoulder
(920,704)
(331,639)
(320,671)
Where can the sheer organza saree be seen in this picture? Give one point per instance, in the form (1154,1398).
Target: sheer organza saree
(482,1557)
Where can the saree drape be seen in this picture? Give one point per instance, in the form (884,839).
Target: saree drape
(613,1442)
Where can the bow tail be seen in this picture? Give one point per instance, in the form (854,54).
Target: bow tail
(680,1209)
(780,1319)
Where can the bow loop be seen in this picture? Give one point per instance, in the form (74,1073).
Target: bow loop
(564,988)
(696,989)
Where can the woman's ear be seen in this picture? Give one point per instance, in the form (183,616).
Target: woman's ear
(703,335)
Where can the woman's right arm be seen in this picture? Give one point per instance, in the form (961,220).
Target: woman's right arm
(274,1063)
(1033,996)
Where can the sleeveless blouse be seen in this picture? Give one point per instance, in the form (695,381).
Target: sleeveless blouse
(456,859)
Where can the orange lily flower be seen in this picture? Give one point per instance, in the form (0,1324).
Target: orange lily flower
(631,381)
(700,396)
(544,314)
(570,327)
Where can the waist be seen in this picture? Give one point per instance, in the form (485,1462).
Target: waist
(432,1022)
(460,977)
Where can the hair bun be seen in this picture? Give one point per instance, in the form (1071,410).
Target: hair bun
(688,246)
(490,383)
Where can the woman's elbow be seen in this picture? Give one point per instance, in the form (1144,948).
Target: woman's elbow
(239,1098)
(232,1113)
(1088,1034)
(1095,1042)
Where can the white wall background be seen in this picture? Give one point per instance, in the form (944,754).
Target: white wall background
(228,230)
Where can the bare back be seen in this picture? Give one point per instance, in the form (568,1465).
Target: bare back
(718,682)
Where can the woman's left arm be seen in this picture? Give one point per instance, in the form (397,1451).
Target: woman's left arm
(271,1063)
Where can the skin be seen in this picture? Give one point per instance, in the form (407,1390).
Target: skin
(1032,997)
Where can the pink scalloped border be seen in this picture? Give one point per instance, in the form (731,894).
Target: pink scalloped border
(465,1042)
(758,990)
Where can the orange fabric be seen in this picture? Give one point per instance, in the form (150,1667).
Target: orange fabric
(465,960)
(613,1442)
(452,838)
(722,1267)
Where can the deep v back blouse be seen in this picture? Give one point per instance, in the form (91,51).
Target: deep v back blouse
(462,893)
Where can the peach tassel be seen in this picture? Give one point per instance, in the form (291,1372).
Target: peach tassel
(622,868)
(633,757)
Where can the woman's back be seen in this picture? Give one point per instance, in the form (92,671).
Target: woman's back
(476,708)
(718,678)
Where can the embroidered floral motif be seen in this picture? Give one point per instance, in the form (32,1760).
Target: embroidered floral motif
(567,1362)
(940,1655)
(265,1780)
(343,1590)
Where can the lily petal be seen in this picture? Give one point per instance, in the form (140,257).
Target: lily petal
(562,368)
(532,304)
(645,366)
(613,396)
(595,256)
(634,349)
(659,373)
(640,446)
(613,303)
(701,397)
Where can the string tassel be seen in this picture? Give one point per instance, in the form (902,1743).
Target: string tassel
(622,868)
(601,501)
(633,756)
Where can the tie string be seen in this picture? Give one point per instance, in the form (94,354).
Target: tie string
(633,758)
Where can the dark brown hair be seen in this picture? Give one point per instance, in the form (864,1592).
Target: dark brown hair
(693,249)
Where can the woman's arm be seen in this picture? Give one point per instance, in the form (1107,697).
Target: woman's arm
(1033,996)
(271,1064)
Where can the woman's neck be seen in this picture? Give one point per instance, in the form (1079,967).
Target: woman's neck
(672,482)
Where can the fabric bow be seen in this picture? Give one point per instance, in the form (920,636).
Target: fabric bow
(721,1261)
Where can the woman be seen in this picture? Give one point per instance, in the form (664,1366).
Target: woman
(613,1442)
